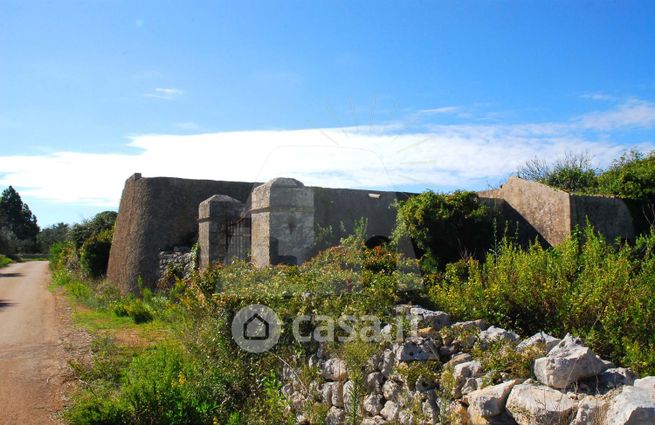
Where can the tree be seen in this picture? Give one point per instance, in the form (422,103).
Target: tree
(572,173)
(85,230)
(17,219)
(52,235)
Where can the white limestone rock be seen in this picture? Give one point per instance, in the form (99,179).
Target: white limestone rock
(488,402)
(335,416)
(495,334)
(388,363)
(541,339)
(391,390)
(632,406)
(390,411)
(648,382)
(423,318)
(374,382)
(416,349)
(373,404)
(334,370)
(530,404)
(568,362)
(590,411)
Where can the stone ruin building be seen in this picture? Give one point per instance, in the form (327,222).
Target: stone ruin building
(284,221)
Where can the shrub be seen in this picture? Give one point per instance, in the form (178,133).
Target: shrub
(573,173)
(94,254)
(445,227)
(81,232)
(586,286)
(4,261)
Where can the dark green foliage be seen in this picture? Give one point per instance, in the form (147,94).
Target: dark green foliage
(445,227)
(631,176)
(573,173)
(585,286)
(94,253)
(18,226)
(81,232)
(51,235)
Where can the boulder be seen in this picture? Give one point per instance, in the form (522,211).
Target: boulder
(387,363)
(390,411)
(373,404)
(374,382)
(376,420)
(470,369)
(539,339)
(416,349)
(391,390)
(335,416)
(617,377)
(632,406)
(337,394)
(488,402)
(458,358)
(566,363)
(347,393)
(423,318)
(494,334)
(647,382)
(334,370)
(590,411)
(530,404)
(471,325)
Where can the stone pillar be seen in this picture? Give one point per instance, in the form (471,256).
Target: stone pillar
(213,216)
(282,222)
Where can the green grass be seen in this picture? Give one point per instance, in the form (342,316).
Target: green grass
(4,261)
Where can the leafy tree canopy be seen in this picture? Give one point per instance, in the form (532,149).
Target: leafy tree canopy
(16,219)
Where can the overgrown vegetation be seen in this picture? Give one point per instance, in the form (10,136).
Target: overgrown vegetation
(631,176)
(4,261)
(186,368)
(445,227)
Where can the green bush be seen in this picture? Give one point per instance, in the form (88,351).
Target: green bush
(585,286)
(94,254)
(4,261)
(573,173)
(159,386)
(445,227)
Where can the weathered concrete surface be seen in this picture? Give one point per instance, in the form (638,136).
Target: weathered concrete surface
(156,214)
(554,213)
(213,216)
(282,222)
(609,216)
(547,210)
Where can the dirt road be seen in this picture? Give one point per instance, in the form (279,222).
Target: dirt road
(33,366)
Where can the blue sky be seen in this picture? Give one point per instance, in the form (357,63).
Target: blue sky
(397,95)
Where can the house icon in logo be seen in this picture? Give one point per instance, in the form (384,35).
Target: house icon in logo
(256,328)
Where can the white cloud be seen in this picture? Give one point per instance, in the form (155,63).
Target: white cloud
(632,113)
(441,110)
(387,156)
(165,93)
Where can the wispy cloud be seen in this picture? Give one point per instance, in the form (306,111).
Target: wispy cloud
(386,156)
(634,113)
(165,93)
(441,110)
(598,96)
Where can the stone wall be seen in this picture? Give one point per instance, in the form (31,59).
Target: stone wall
(610,216)
(547,210)
(157,214)
(553,213)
